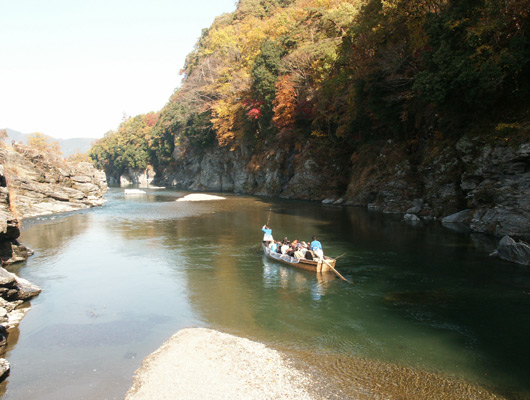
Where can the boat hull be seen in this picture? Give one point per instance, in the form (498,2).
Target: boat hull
(309,265)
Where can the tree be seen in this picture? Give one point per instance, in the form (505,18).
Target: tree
(78,157)
(128,147)
(284,103)
(265,72)
(44,143)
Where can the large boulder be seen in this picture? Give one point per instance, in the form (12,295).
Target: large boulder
(510,250)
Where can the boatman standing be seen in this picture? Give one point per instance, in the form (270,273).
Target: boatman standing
(267,237)
(316,247)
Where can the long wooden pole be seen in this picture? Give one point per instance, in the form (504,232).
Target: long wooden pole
(337,272)
(268,219)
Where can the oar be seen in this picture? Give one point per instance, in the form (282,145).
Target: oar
(337,272)
(268,219)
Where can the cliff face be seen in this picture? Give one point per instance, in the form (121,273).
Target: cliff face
(287,173)
(486,183)
(10,249)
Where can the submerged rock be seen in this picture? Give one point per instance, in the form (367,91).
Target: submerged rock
(460,217)
(411,218)
(510,250)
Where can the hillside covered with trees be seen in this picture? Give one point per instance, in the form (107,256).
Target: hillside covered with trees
(346,90)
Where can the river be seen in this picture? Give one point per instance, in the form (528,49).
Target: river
(428,302)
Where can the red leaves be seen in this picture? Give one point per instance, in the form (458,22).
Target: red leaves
(254,108)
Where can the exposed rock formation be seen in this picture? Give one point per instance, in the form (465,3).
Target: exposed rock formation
(14,292)
(10,249)
(282,173)
(142,178)
(43,184)
(4,369)
(486,184)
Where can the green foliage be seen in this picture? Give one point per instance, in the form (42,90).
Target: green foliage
(128,147)
(473,62)
(265,72)
(411,68)
(259,8)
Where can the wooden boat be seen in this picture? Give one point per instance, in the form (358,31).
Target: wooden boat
(311,265)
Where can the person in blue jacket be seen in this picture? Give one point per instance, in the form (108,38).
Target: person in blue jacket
(316,247)
(267,237)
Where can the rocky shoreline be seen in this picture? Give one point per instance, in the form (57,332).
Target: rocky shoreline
(33,184)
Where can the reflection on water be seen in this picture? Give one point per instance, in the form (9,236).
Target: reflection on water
(275,274)
(428,309)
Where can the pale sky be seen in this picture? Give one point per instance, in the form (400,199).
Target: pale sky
(73,68)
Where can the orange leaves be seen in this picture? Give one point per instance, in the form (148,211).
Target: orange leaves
(226,117)
(284,103)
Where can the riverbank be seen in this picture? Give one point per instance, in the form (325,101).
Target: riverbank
(34,183)
(202,363)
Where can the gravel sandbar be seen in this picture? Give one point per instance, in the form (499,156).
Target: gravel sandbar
(200,197)
(198,363)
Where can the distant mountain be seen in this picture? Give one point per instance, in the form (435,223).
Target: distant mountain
(68,146)
(16,136)
(71,146)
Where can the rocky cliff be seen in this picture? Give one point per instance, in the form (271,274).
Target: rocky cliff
(142,178)
(481,184)
(32,184)
(44,184)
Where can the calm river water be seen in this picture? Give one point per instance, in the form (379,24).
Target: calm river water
(428,303)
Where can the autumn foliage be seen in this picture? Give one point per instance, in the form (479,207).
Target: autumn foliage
(284,103)
(340,73)
(44,143)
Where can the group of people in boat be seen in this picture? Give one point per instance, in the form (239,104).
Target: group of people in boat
(296,248)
